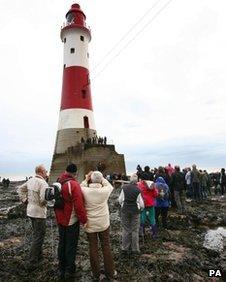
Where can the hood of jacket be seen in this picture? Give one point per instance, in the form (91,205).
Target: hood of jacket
(145,184)
(95,185)
(64,177)
(160,180)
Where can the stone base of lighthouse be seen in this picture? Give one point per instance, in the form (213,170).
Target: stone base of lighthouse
(87,157)
(67,138)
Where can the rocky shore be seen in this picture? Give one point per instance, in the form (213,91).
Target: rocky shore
(177,255)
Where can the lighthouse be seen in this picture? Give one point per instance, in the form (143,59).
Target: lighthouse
(76,123)
(76,120)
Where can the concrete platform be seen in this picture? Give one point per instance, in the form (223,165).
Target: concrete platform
(87,157)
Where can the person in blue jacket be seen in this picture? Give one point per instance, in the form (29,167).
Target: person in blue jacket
(162,201)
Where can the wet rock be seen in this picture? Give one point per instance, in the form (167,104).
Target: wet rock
(198,278)
(214,239)
(115,217)
(85,265)
(18,211)
(223,258)
(177,255)
(10,242)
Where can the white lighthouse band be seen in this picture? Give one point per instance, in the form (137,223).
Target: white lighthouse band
(75,48)
(76,118)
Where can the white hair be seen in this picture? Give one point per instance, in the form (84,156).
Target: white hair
(96,177)
(39,168)
(134,178)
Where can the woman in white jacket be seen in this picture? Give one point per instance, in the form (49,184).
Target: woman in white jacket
(96,191)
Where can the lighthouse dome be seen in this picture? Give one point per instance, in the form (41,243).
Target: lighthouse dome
(75,15)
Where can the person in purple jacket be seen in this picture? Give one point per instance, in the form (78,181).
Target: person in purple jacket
(162,201)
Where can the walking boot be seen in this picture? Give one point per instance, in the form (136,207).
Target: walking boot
(142,230)
(154,231)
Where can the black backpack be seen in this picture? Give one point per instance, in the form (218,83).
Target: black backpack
(59,202)
(53,193)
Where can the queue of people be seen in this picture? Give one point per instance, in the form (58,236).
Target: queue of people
(95,140)
(143,201)
(192,183)
(150,195)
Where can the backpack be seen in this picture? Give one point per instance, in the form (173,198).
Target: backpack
(165,194)
(59,201)
(54,196)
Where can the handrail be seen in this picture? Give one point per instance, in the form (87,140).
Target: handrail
(65,24)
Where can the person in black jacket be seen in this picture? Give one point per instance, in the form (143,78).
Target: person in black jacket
(139,171)
(148,174)
(223,181)
(162,173)
(178,184)
(131,203)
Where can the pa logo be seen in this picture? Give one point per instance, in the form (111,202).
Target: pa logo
(215,273)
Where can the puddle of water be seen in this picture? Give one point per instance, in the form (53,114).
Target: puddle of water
(214,239)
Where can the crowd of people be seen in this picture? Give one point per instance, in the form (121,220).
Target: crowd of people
(5,182)
(150,193)
(145,197)
(84,204)
(95,140)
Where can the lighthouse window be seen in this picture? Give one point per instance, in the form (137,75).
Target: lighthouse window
(70,18)
(64,66)
(72,50)
(83,94)
(82,38)
(65,40)
(87,55)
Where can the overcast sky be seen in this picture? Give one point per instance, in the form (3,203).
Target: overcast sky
(159,95)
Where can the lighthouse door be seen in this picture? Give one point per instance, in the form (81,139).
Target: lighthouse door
(86,122)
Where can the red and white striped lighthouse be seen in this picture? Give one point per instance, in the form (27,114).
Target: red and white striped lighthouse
(76,120)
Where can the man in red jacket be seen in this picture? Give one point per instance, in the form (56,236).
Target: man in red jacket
(68,219)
